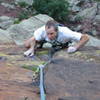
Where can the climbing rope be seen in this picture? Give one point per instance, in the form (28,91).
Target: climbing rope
(42,88)
(42,92)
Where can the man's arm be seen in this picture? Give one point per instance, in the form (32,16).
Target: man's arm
(84,39)
(30,44)
(32,41)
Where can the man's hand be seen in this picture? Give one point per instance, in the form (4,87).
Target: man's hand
(71,49)
(29,53)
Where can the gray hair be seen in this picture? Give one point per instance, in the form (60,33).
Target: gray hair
(52,23)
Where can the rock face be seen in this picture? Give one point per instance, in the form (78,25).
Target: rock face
(18,33)
(29,2)
(5,22)
(15,84)
(87,13)
(5,37)
(74,76)
(24,30)
(16,81)
(70,77)
(93,42)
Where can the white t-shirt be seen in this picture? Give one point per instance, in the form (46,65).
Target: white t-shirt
(64,35)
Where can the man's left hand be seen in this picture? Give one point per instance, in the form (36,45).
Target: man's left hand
(71,49)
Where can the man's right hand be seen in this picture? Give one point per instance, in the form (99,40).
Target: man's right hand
(29,53)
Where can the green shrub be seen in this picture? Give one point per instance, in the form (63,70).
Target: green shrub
(33,68)
(23,15)
(17,21)
(22,4)
(58,9)
(27,12)
(79,18)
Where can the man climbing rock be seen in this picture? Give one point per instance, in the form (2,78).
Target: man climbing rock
(56,35)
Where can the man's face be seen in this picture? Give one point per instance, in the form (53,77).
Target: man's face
(51,33)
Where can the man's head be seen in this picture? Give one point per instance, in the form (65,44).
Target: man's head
(51,29)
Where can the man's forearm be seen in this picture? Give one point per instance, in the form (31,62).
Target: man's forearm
(32,45)
(84,40)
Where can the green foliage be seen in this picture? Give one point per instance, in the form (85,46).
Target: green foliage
(35,68)
(27,12)
(79,18)
(22,4)
(17,21)
(23,15)
(58,9)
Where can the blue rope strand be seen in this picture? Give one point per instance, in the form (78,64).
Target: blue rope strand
(42,93)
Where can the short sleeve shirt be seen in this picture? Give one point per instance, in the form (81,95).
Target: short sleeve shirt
(64,35)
